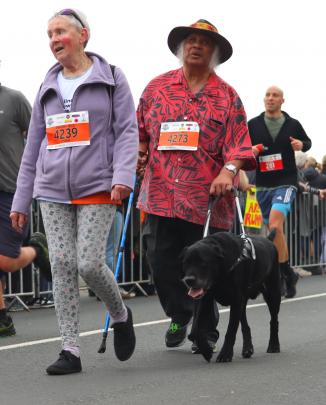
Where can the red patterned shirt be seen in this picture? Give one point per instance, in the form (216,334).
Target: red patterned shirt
(176,183)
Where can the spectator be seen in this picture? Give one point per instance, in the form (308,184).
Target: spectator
(112,250)
(301,221)
(15,113)
(79,170)
(276,174)
(300,161)
(312,175)
(317,180)
(323,165)
(182,171)
(311,162)
(320,221)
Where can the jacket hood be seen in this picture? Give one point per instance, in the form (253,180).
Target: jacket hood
(101,73)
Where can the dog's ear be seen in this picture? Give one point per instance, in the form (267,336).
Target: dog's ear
(218,251)
(182,254)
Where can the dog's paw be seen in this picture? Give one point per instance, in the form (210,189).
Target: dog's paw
(273,347)
(225,355)
(207,355)
(205,349)
(247,351)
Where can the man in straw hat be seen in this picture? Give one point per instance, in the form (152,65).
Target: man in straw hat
(193,126)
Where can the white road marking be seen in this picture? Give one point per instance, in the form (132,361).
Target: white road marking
(151,323)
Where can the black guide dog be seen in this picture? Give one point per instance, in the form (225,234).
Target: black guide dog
(217,268)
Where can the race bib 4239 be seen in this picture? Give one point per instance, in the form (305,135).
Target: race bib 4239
(68,129)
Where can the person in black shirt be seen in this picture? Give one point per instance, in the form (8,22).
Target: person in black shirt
(275,137)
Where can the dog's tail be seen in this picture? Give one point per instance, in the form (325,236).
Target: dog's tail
(272,234)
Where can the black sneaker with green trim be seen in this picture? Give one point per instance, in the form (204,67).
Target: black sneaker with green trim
(176,334)
(38,240)
(7,327)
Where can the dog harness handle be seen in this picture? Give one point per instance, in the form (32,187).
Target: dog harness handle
(211,203)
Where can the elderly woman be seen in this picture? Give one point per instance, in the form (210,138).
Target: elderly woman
(193,126)
(79,162)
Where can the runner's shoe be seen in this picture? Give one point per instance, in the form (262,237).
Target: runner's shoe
(7,327)
(291,280)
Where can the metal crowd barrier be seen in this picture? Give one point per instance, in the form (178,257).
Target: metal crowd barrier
(27,285)
(20,286)
(305,231)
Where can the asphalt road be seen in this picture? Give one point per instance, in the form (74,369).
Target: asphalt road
(155,375)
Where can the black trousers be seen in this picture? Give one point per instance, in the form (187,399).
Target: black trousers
(165,239)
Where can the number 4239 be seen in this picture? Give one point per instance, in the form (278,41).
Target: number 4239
(66,133)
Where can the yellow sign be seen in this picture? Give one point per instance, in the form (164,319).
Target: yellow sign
(252,215)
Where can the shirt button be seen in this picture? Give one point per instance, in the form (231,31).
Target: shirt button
(177,180)
(179,160)
(190,100)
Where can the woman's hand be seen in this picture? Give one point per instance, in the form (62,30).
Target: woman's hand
(18,220)
(120,192)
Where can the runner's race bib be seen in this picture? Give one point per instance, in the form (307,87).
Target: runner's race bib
(183,135)
(68,129)
(270,163)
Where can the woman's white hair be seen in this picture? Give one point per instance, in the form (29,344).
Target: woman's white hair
(214,62)
(77,17)
(300,159)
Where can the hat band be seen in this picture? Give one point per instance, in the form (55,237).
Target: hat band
(204,26)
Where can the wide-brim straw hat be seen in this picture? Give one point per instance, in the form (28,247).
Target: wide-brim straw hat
(178,34)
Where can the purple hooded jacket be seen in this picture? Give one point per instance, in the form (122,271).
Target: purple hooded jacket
(74,172)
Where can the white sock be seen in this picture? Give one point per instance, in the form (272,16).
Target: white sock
(73,350)
(121,317)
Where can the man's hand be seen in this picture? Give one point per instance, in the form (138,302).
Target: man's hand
(257,149)
(18,220)
(222,184)
(322,193)
(141,163)
(304,186)
(142,159)
(296,144)
(120,192)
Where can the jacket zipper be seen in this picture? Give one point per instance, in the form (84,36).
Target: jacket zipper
(69,154)
(72,108)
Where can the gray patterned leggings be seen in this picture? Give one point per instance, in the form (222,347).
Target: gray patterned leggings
(77,237)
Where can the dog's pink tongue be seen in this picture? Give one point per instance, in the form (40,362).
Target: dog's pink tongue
(195,292)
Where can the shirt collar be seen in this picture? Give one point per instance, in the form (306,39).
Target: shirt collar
(178,77)
(214,82)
